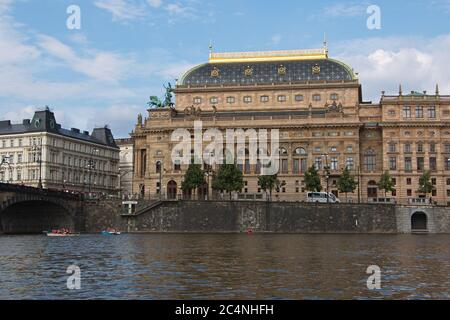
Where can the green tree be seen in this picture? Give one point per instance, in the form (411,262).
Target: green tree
(229,178)
(425,185)
(193,178)
(346,183)
(270,182)
(312,180)
(386,183)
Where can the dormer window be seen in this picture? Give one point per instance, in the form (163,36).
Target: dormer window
(197,100)
(247,99)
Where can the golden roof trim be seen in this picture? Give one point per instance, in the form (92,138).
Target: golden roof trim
(263,56)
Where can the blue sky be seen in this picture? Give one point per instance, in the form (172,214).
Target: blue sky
(126,49)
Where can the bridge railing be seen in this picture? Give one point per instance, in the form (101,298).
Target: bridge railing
(21,189)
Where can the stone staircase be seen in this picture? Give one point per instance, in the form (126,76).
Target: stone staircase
(143,207)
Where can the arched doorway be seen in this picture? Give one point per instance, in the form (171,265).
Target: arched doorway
(419,221)
(172,190)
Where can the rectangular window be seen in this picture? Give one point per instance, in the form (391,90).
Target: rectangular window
(393,163)
(231,100)
(392,147)
(281,98)
(284,166)
(298,97)
(433,165)
(432,112)
(349,163)
(407,148)
(247,166)
(264,99)
(334,164)
(407,112)
(316,97)
(408,181)
(447,164)
(419,112)
(318,163)
(432,147)
(334,96)
(419,147)
(296,166)
(247,99)
(369,162)
(420,164)
(408,164)
(214,100)
(409,192)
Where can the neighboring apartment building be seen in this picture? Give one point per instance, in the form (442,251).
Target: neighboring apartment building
(126,166)
(317,104)
(41,153)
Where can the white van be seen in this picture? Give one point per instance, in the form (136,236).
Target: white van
(321,197)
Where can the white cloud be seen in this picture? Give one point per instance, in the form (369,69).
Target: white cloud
(103,66)
(154,3)
(384,63)
(122,10)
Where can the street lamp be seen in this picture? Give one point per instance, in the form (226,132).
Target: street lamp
(37,151)
(327,176)
(91,166)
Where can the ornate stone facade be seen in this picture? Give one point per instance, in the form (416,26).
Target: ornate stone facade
(316,103)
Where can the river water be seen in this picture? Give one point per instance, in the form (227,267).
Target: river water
(225,266)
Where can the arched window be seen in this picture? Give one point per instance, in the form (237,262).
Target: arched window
(299,152)
(282,151)
(158,167)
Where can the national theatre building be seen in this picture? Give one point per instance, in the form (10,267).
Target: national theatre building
(316,102)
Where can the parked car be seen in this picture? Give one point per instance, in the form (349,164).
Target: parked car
(321,197)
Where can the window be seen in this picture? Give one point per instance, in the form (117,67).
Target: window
(420,164)
(408,181)
(247,99)
(409,192)
(177,166)
(334,164)
(284,166)
(318,163)
(432,147)
(392,147)
(433,164)
(317,149)
(420,147)
(299,97)
(447,164)
(281,98)
(316,97)
(264,99)
(448,181)
(393,163)
(247,166)
(214,100)
(300,151)
(408,164)
(349,163)
(369,161)
(432,112)
(333,149)
(391,112)
(349,148)
(419,112)
(19,158)
(158,167)
(197,100)
(447,148)
(407,112)
(231,100)
(407,148)
(334,96)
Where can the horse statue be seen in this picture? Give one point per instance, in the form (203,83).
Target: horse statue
(155,102)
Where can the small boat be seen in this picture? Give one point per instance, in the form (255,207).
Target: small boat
(61,233)
(51,234)
(111,233)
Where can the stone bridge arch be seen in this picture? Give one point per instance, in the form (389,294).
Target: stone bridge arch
(32,213)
